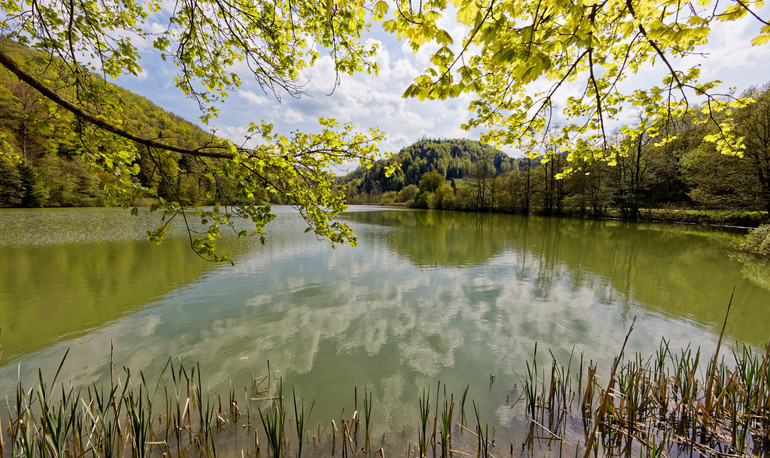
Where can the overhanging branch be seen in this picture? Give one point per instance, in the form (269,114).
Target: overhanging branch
(25,76)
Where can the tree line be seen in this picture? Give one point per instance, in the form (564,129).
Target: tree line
(49,146)
(638,172)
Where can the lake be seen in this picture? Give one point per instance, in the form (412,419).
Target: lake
(426,296)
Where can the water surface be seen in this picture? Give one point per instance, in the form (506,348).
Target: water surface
(425,296)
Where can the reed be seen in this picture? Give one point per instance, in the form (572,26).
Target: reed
(667,402)
(139,420)
(300,420)
(422,439)
(367,418)
(446,424)
(530,386)
(274,423)
(482,434)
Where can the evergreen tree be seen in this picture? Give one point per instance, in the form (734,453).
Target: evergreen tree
(33,192)
(11,186)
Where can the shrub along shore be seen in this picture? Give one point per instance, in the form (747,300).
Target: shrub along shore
(723,218)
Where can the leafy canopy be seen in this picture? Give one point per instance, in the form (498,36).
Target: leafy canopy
(521,59)
(205,40)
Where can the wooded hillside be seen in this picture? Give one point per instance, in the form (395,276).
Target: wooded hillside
(48,144)
(452,159)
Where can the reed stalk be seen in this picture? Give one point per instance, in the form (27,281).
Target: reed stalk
(300,420)
(422,442)
(367,417)
(462,404)
(273,422)
(482,434)
(446,425)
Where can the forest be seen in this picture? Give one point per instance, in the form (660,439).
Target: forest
(639,172)
(450,158)
(49,152)
(53,168)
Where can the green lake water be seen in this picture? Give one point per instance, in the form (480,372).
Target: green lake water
(426,296)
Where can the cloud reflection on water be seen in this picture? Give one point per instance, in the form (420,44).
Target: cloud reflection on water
(424,297)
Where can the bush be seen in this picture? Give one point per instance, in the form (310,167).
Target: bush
(388,198)
(743,218)
(407,193)
(757,241)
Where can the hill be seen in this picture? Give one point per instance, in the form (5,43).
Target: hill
(452,159)
(43,146)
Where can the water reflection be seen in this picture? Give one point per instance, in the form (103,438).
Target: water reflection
(439,238)
(65,271)
(425,296)
(674,270)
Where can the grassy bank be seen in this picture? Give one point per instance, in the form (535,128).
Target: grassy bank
(740,218)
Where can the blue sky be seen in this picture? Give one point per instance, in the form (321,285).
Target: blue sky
(370,101)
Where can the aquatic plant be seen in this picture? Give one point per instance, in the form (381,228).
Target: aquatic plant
(673,401)
(660,402)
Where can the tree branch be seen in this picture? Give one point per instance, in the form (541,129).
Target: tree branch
(28,78)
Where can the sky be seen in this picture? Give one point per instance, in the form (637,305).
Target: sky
(376,101)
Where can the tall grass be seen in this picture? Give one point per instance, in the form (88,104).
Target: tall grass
(422,432)
(667,402)
(670,402)
(274,422)
(300,420)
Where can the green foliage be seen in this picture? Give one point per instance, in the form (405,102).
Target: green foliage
(753,124)
(34,193)
(507,49)
(388,197)
(64,106)
(406,194)
(11,185)
(757,241)
(449,158)
(720,181)
(430,182)
(58,148)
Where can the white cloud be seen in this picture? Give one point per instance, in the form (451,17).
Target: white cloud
(254,99)
(156,27)
(404,70)
(730,56)
(291,116)
(235,134)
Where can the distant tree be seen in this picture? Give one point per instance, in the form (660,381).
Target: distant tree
(442,198)
(479,182)
(720,181)
(430,182)
(32,117)
(465,199)
(753,122)
(407,193)
(33,191)
(631,170)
